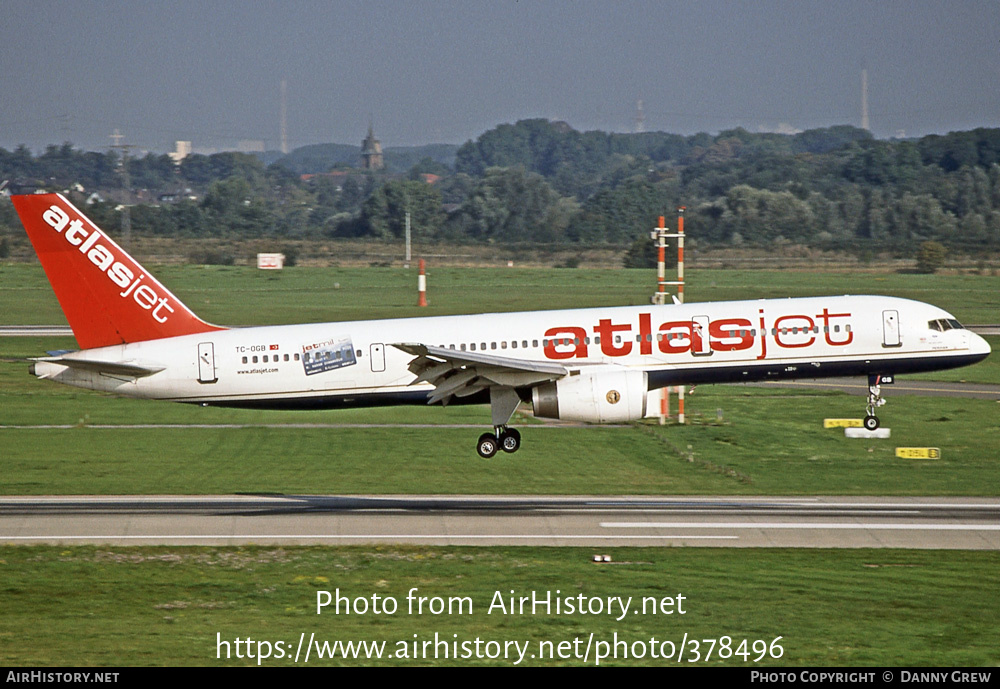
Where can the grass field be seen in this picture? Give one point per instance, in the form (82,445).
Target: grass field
(165,606)
(172,605)
(245,296)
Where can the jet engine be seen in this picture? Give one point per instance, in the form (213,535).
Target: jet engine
(603,396)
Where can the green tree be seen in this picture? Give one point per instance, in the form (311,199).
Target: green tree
(930,257)
(384,212)
(644,253)
(511,205)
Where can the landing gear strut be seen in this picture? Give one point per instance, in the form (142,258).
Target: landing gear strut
(875,401)
(502,438)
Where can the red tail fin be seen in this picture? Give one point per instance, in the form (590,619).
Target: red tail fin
(108,298)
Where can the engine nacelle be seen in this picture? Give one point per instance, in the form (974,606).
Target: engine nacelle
(603,396)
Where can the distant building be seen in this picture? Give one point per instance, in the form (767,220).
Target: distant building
(371,152)
(338,176)
(182,149)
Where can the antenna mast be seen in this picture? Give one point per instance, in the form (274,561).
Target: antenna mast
(284,117)
(864,100)
(117,137)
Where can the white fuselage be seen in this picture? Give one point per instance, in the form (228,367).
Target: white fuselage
(355,363)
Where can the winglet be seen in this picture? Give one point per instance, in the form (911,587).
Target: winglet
(108,298)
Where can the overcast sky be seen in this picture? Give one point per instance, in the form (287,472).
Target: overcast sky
(448,70)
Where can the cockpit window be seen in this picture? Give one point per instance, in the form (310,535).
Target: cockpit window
(943,324)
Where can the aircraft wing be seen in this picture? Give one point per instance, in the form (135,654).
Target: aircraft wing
(111,368)
(454,373)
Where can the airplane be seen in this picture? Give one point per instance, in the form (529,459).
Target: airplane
(591,364)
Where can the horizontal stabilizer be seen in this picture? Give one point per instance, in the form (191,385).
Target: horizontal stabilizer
(113,368)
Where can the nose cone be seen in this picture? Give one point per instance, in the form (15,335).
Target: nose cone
(979,347)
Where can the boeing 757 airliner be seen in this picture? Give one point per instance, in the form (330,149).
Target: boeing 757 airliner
(594,364)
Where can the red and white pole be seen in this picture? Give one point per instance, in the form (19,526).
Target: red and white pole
(661,262)
(680,254)
(422,286)
(664,404)
(680,296)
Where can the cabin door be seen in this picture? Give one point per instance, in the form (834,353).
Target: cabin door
(206,363)
(700,343)
(890,329)
(378,357)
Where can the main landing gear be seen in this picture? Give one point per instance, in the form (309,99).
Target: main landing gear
(875,400)
(502,438)
(503,403)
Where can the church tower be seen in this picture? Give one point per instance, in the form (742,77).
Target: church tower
(371,152)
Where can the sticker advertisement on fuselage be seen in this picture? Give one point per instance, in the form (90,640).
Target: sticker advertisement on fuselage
(328,355)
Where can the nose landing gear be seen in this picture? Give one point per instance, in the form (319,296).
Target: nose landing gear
(875,399)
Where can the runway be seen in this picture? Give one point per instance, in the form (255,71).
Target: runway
(591,521)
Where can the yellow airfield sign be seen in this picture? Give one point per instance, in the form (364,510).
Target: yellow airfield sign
(918,452)
(843,423)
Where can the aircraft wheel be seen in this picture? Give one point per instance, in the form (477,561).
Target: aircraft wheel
(510,440)
(871,422)
(487,446)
